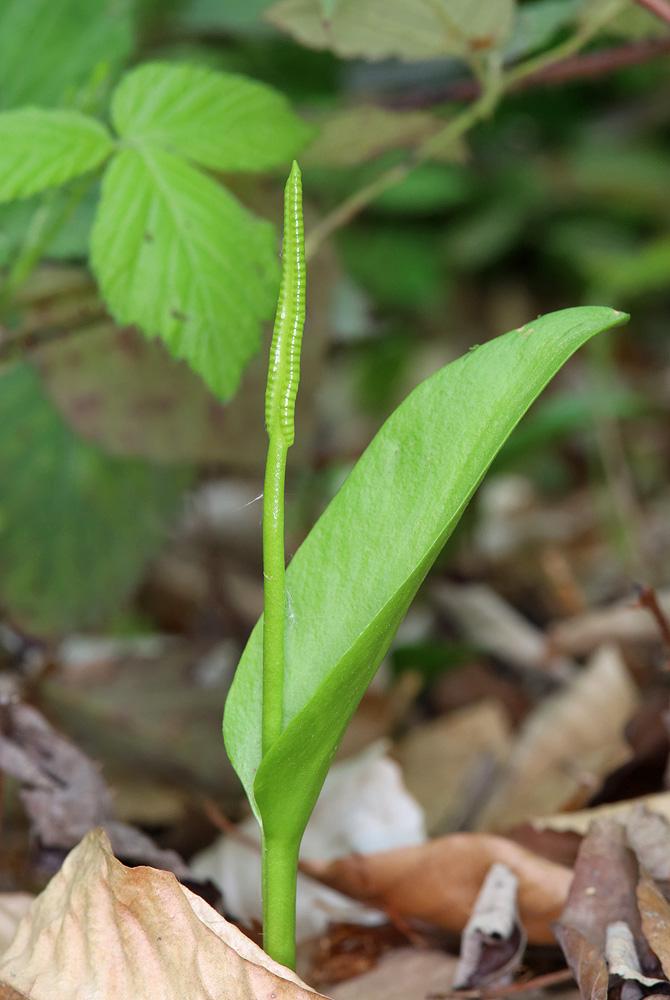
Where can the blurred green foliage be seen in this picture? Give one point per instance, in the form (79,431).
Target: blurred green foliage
(559,197)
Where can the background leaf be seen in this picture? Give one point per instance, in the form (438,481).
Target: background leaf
(219,120)
(176,254)
(355,135)
(406,29)
(129,396)
(354,577)
(43,148)
(76,527)
(49,48)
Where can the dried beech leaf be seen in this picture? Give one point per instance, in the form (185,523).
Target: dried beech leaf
(576,732)
(439,881)
(114,933)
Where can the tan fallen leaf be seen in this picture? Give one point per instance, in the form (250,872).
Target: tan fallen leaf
(13,906)
(484,617)
(581,820)
(403,974)
(439,881)
(442,759)
(102,930)
(568,744)
(621,623)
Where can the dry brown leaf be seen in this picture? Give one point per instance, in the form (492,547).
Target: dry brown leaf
(442,759)
(487,619)
(404,974)
(655,916)
(102,930)
(602,892)
(622,623)
(586,961)
(64,793)
(580,821)
(603,888)
(568,744)
(439,881)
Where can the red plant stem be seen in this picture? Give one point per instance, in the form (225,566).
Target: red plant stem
(580,67)
(661,8)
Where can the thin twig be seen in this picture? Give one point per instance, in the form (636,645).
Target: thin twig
(661,8)
(579,67)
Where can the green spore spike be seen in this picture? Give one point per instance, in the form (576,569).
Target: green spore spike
(284,370)
(283,377)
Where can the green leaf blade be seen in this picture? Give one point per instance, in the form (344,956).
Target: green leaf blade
(352,580)
(50,51)
(44,148)
(77,527)
(178,256)
(219,120)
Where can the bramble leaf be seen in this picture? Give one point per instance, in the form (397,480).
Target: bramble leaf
(177,255)
(76,526)
(405,29)
(353,579)
(42,148)
(219,120)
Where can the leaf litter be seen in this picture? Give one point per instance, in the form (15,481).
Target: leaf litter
(531,761)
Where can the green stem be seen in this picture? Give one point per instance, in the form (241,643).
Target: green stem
(274,595)
(280,857)
(280,874)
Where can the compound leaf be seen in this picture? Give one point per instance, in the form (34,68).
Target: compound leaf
(76,526)
(178,256)
(219,120)
(354,577)
(42,148)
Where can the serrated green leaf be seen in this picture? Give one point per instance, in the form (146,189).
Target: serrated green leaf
(178,256)
(219,120)
(354,577)
(405,29)
(50,48)
(43,148)
(76,526)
